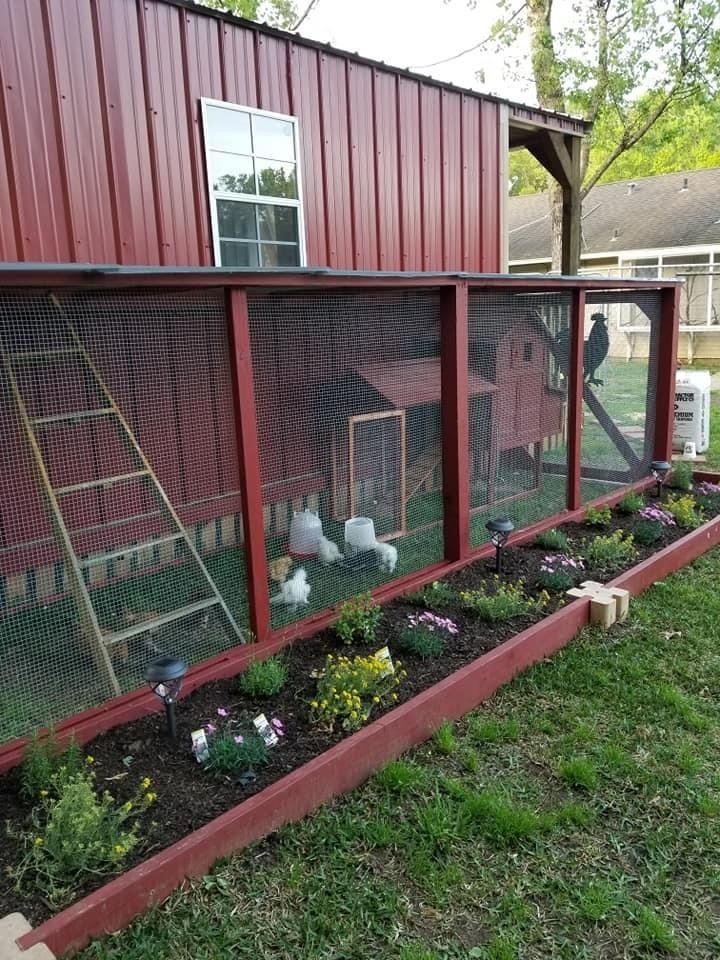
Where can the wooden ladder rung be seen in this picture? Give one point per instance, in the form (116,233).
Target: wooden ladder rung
(73,415)
(111,638)
(103,482)
(43,354)
(132,548)
(123,522)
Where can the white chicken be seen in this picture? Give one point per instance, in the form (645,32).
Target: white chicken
(387,556)
(295,591)
(328,552)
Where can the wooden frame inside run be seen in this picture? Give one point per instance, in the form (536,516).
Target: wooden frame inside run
(367,418)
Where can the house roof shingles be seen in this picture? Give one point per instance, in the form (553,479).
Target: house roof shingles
(669,210)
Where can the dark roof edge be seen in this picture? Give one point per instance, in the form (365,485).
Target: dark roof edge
(266,29)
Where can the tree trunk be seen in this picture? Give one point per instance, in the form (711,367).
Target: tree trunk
(556,223)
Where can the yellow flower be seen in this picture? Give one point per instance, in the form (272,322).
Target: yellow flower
(119,848)
(150,798)
(145,783)
(39,841)
(394,696)
(127,807)
(376,699)
(314,704)
(43,793)
(89,759)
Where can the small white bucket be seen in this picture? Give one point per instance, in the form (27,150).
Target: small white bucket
(305,532)
(359,535)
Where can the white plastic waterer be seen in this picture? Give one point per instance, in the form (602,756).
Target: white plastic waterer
(305,532)
(359,535)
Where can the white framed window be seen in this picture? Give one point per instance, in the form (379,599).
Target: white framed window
(253,170)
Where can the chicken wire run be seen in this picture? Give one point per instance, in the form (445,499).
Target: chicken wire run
(129,503)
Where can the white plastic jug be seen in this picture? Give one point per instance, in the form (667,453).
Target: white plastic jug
(305,532)
(359,535)
(692,409)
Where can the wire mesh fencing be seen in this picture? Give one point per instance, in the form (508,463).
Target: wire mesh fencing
(518,356)
(348,392)
(619,395)
(120,532)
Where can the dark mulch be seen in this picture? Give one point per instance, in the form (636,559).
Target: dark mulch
(188,797)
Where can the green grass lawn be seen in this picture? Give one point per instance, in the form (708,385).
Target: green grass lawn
(713,453)
(574,816)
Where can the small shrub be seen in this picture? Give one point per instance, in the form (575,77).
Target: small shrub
(611,551)
(651,523)
(551,540)
(42,761)
(500,601)
(631,503)
(234,753)
(598,516)
(264,678)
(559,571)
(579,773)
(78,833)
(707,496)
(684,511)
(426,633)
(681,476)
(349,690)
(436,596)
(358,620)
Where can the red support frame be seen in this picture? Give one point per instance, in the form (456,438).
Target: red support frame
(249,459)
(455,421)
(575,400)
(667,339)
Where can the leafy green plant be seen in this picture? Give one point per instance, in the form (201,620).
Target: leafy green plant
(499,601)
(358,620)
(707,496)
(684,511)
(231,752)
(681,476)
(653,520)
(611,551)
(551,540)
(42,761)
(560,571)
(78,833)
(598,516)
(426,633)
(264,678)
(436,596)
(632,502)
(349,690)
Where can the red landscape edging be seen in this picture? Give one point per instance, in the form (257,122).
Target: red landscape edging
(343,767)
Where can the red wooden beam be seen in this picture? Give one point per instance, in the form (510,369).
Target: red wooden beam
(575,399)
(666,364)
(249,459)
(455,421)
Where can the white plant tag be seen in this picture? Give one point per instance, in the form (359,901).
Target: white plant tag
(266,731)
(384,656)
(200,745)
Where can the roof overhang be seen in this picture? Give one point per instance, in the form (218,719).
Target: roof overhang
(529,124)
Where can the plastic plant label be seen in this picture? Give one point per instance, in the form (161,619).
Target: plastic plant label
(384,656)
(200,745)
(266,731)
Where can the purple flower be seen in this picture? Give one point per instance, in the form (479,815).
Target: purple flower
(210,728)
(278,724)
(239,739)
(222,712)
(656,514)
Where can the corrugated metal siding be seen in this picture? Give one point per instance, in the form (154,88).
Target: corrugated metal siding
(102,155)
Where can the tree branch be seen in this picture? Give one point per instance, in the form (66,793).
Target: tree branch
(476,46)
(308,10)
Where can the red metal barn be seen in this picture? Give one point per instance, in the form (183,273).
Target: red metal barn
(242,276)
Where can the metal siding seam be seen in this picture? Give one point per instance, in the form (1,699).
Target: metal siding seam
(329,252)
(422,186)
(12,183)
(152,145)
(398,137)
(351,173)
(376,170)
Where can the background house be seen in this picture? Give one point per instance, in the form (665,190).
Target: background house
(664,226)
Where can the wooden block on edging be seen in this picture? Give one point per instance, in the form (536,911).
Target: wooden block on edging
(603,609)
(12,927)
(622,600)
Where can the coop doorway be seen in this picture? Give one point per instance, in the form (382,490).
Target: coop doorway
(377,470)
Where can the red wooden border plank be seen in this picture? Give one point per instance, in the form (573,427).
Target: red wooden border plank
(249,456)
(455,421)
(336,771)
(667,362)
(575,399)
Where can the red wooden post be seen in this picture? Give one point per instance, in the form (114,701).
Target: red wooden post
(667,341)
(575,399)
(249,460)
(455,420)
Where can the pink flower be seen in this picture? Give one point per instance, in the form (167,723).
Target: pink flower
(239,739)
(278,724)
(222,712)
(210,728)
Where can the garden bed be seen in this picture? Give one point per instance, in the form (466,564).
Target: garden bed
(189,798)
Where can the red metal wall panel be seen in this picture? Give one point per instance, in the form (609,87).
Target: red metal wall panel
(103,158)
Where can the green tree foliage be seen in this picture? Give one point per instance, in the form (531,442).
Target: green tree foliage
(278,13)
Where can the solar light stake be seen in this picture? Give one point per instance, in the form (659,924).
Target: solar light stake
(660,469)
(165,676)
(500,529)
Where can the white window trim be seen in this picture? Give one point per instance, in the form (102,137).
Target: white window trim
(213,195)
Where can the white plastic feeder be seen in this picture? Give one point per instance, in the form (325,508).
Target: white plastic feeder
(305,532)
(359,535)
